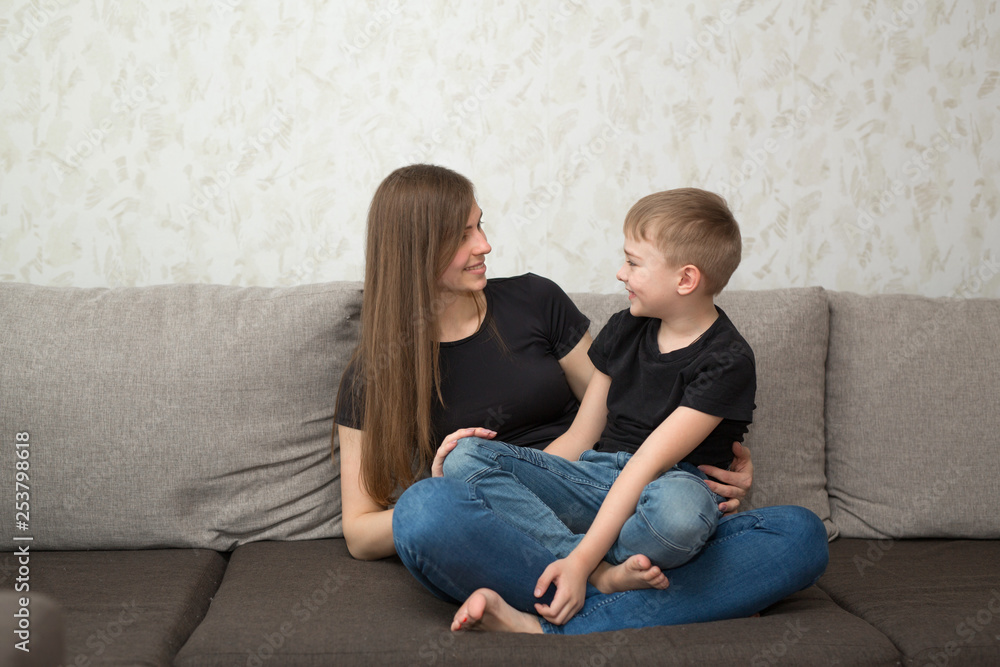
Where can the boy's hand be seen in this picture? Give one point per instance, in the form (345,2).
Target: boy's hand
(737,480)
(570,578)
(448,444)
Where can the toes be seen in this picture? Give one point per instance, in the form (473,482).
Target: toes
(470,613)
(641,562)
(477,606)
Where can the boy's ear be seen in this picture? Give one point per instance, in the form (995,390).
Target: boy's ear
(689,279)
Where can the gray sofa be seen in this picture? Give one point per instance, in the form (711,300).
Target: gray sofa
(183,507)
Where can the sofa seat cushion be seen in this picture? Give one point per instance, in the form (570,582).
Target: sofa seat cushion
(43,642)
(125,607)
(312,604)
(912,418)
(937,600)
(788,331)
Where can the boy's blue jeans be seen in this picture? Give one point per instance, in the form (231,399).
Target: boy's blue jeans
(452,541)
(555,501)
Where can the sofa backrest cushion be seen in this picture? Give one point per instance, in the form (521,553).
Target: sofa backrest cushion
(176,415)
(787,329)
(912,416)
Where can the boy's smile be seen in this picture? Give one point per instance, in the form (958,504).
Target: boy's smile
(650,282)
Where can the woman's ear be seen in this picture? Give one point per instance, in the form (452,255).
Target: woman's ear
(690,278)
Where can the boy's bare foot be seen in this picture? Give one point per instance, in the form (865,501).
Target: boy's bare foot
(486,610)
(635,573)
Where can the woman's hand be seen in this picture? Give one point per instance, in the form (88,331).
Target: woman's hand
(448,444)
(737,480)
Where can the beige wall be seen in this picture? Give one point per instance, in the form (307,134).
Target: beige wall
(239,142)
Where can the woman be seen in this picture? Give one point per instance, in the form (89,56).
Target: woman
(441,349)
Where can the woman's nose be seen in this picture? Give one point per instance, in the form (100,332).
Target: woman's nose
(484,247)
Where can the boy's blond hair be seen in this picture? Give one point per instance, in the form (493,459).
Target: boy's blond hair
(690,226)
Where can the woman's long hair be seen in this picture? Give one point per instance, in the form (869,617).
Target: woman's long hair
(415,226)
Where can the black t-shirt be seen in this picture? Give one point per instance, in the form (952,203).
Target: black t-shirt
(514,386)
(716,375)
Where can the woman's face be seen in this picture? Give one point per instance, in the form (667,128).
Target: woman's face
(467,271)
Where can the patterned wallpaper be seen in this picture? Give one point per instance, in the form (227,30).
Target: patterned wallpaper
(239,141)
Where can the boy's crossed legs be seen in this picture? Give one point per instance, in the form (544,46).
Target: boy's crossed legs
(555,501)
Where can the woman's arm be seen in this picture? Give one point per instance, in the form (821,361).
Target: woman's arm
(578,367)
(367,525)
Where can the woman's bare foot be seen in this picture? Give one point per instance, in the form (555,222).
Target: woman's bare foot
(486,610)
(635,573)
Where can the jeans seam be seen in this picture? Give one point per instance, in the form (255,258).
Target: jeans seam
(473,496)
(666,542)
(422,565)
(608,599)
(758,521)
(494,456)
(549,627)
(707,521)
(520,529)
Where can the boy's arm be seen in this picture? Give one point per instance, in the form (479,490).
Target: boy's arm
(589,422)
(670,442)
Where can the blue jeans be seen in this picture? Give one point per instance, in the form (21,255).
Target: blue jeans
(555,501)
(451,540)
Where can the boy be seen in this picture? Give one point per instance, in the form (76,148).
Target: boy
(674,386)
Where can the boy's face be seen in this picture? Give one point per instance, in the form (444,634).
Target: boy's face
(650,281)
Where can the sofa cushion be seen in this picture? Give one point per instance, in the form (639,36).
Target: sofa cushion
(937,600)
(125,607)
(176,415)
(787,330)
(325,608)
(912,418)
(34,633)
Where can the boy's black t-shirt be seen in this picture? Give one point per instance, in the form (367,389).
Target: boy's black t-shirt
(513,385)
(716,375)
